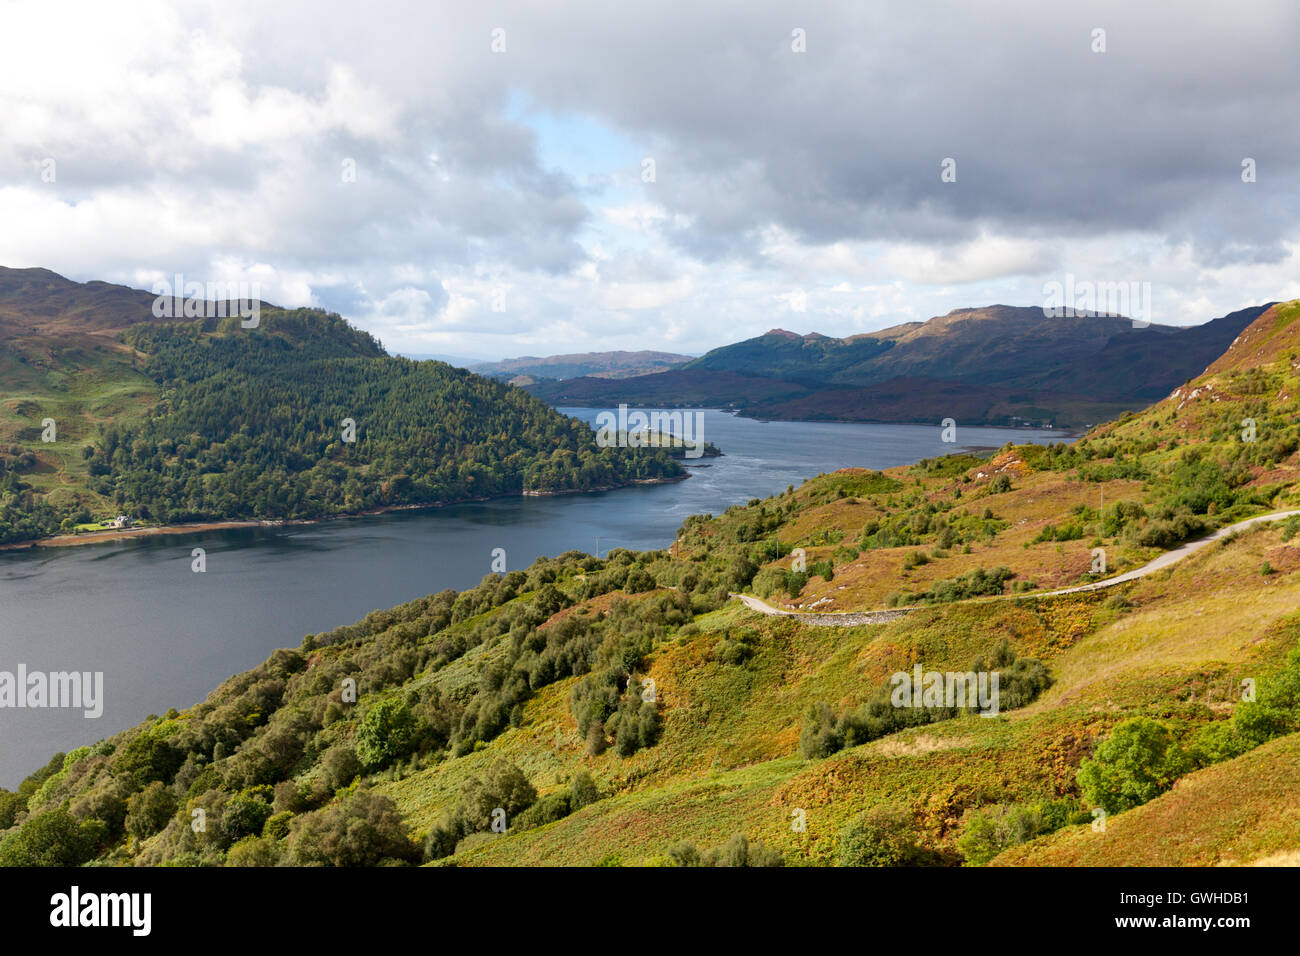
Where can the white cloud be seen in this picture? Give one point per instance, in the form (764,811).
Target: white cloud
(207,138)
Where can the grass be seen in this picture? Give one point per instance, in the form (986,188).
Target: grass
(1243,811)
(80,381)
(727,759)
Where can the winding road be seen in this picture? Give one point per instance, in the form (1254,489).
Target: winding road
(855,618)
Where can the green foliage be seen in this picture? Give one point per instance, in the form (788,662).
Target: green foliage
(363,829)
(582,791)
(974,583)
(250,426)
(552,807)
(990,830)
(11,804)
(1020,681)
(386,733)
(1172,531)
(1138,761)
(502,785)
(1274,713)
(245,814)
(881,837)
(148,810)
(1197,483)
(735,647)
(53,838)
(737,851)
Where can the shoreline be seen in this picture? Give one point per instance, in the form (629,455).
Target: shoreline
(1071,431)
(198,527)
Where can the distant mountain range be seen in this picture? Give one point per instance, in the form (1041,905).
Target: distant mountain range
(997,365)
(609,365)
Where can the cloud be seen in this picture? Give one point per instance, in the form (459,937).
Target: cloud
(397,169)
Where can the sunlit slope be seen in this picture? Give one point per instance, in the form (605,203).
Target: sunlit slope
(515,691)
(728,760)
(1243,812)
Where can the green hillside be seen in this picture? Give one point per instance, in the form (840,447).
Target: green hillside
(302,416)
(630,711)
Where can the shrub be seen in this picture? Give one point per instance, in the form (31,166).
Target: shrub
(245,814)
(735,647)
(148,810)
(11,804)
(880,837)
(817,737)
(582,791)
(737,851)
(990,830)
(254,851)
(341,766)
(502,785)
(53,838)
(548,809)
(387,733)
(1139,761)
(363,829)
(1173,531)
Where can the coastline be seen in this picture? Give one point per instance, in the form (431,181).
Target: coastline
(197,527)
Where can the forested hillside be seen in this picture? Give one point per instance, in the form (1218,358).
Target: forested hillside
(257,425)
(300,417)
(629,711)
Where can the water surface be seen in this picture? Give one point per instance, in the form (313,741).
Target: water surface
(165,636)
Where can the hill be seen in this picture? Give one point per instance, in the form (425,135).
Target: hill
(996,365)
(613,365)
(300,417)
(629,711)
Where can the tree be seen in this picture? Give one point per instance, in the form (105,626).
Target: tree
(364,829)
(582,791)
(1139,761)
(502,786)
(880,837)
(387,732)
(148,810)
(53,838)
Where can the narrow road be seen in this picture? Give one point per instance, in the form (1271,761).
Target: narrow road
(855,618)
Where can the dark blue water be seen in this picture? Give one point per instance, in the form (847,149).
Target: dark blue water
(165,636)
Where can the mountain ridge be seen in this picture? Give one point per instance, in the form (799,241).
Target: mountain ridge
(1010,364)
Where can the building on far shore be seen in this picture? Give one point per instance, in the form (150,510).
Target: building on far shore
(121,521)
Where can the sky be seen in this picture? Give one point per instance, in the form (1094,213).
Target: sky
(500,179)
